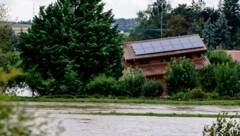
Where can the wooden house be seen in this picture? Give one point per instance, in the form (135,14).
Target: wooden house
(153,56)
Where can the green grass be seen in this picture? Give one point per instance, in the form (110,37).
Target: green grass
(132,100)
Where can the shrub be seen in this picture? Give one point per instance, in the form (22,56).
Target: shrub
(196,93)
(152,88)
(218,57)
(180,75)
(178,96)
(132,81)
(207,78)
(227,79)
(102,85)
(211,96)
(223,127)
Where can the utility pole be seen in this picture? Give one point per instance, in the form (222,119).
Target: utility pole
(162,21)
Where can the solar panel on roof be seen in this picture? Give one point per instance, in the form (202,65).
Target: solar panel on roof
(137,45)
(147,45)
(159,49)
(149,50)
(178,47)
(168,48)
(195,39)
(166,45)
(175,41)
(198,44)
(184,40)
(187,45)
(156,44)
(165,42)
(139,51)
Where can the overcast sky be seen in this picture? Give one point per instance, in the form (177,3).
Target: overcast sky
(23,9)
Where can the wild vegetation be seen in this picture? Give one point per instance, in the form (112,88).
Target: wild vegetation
(224,126)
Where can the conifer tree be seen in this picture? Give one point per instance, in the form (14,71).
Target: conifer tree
(70,41)
(217,34)
(231,9)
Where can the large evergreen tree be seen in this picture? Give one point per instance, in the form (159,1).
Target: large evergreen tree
(217,34)
(70,41)
(231,8)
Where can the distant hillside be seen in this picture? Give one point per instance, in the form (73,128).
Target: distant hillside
(126,25)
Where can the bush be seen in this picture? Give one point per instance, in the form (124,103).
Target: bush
(196,94)
(218,57)
(207,78)
(132,82)
(211,96)
(102,85)
(181,75)
(227,79)
(223,127)
(152,88)
(178,96)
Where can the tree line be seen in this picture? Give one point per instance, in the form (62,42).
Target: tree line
(219,27)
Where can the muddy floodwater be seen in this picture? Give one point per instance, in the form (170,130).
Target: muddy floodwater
(77,121)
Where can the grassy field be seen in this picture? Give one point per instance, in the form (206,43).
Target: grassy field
(132,100)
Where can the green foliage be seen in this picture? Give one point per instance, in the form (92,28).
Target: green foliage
(210,13)
(231,9)
(180,75)
(190,13)
(69,42)
(16,121)
(223,127)
(177,25)
(102,85)
(218,57)
(150,21)
(152,88)
(217,35)
(9,58)
(207,78)
(196,94)
(132,82)
(222,76)
(197,27)
(228,79)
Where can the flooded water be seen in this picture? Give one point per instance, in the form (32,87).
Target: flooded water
(130,108)
(95,125)
(77,121)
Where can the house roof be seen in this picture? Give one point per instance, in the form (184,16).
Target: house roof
(151,70)
(163,47)
(235,54)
